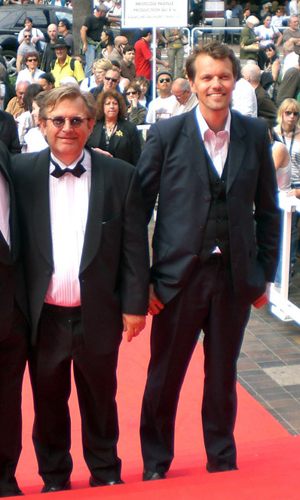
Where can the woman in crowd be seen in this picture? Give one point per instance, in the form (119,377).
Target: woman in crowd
(107,42)
(31,73)
(34,139)
(136,112)
(269,77)
(249,43)
(143,83)
(113,135)
(47,81)
(25,120)
(174,37)
(288,131)
(266,34)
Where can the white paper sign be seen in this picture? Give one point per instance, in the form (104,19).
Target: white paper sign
(154,13)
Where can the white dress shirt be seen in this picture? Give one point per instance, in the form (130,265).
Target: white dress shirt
(69,201)
(4,209)
(243,98)
(216,144)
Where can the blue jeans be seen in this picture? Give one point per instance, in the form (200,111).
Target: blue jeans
(90,56)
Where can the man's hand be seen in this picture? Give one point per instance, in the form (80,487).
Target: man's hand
(155,305)
(263,299)
(102,152)
(133,325)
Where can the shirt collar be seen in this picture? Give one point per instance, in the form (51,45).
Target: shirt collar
(86,161)
(203,127)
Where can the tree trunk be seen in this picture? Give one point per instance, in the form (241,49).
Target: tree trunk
(81,9)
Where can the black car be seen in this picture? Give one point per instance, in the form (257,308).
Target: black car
(12,19)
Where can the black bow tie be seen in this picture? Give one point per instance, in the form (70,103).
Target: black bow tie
(77,171)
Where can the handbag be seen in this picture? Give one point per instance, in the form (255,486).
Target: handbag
(253,47)
(184,40)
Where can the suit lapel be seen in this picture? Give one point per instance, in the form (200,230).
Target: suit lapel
(41,206)
(237,149)
(117,136)
(196,148)
(95,214)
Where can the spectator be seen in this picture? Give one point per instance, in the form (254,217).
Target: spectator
(113,134)
(117,52)
(185,98)
(270,75)
(266,33)
(49,54)
(90,36)
(64,65)
(289,86)
(37,37)
(127,64)
(144,84)
(243,97)
(107,42)
(290,59)
(278,19)
(136,112)
(100,66)
(8,131)
(162,107)
(16,105)
(7,89)
(293,8)
(236,9)
(293,33)
(174,37)
(31,73)
(34,139)
(25,120)
(115,13)
(266,108)
(123,81)
(249,40)
(47,81)
(26,46)
(64,31)
(110,82)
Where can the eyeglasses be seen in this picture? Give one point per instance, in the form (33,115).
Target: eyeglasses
(31,60)
(109,79)
(289,113)
(59,121)
(131,92)
(162,80)
(180,95)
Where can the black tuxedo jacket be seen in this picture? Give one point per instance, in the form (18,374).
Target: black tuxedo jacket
(125,144)
(9,133)
(173,163)
(11,277)
(114,266)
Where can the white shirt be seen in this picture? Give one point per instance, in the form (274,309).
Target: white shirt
(243,98)
(88,84)
(4,209)
(290,61)
(268,35)
(69,201)
(216,144)
(25,76)
(160,109)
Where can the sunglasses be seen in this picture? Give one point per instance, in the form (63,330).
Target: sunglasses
(289,113)
(32,60)
(108,78)
(59,121)
(162,80)
(27,36)
(131,92)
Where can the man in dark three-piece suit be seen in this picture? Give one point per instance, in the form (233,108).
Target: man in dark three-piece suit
(86,263)
(14,333)
(215,248)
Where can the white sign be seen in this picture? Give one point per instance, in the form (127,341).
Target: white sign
(154,13)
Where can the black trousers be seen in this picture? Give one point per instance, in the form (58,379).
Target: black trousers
(61,342)
(206,303)
(13,356)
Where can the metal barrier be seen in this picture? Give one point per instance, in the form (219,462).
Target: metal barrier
(281,306)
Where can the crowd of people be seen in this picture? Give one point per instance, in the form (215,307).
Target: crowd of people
(73,229)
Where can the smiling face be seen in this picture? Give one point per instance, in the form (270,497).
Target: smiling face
(61,53)
(66,143)
(213,83)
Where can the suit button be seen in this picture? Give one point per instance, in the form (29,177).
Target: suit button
(207,198)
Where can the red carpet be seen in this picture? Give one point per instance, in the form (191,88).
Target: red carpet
(268,457)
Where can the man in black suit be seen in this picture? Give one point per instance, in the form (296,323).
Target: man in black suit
(210,167)
(13,333)
(86,264)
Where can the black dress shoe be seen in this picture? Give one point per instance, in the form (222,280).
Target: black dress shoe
(97,482)
(150,475)
(223,468)
(51,488)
